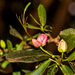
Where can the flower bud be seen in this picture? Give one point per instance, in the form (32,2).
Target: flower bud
(43,39)
(36,43)
(2,43)
(62,47)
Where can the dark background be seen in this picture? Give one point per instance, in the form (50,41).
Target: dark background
(60,15)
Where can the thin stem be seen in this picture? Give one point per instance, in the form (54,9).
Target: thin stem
(51,65)
(42,28)
(54,61)
(4,50)
(19,19)
(64,60)
(24,26)
(62,55)
(23,23)
(46,51)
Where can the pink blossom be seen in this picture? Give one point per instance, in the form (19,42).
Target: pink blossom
(41,40)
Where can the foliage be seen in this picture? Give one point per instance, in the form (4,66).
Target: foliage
(26,53)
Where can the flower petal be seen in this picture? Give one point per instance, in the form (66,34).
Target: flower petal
(36,43)
(42,38)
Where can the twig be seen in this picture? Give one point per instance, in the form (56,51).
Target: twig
(51,39)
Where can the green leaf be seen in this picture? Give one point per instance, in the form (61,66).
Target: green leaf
(69,36)
(66,70)
(5,64)
(25,71)
(17,73)
(26,7)
(42,14)
(52,70)
(9,46)
(72,65)
(71,57)
(34,19)
(27,56)
(40,70)
(15,33)
(2,43)
(19,46)
(31,26)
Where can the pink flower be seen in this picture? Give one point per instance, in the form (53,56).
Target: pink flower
(41,40)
